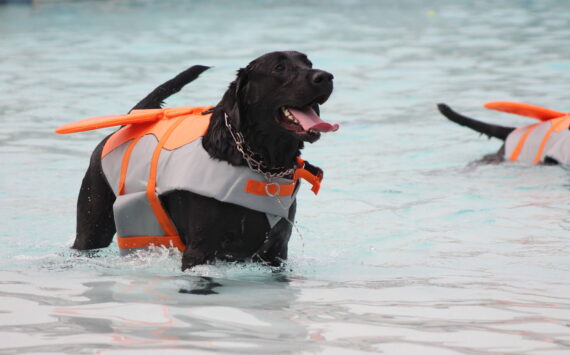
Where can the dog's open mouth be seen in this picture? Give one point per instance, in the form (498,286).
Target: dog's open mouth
(304,121)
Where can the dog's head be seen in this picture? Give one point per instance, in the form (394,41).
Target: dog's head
(278,95)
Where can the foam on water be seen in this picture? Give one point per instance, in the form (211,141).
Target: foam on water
(408,248)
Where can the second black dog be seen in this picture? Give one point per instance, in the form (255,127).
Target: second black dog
(544,142)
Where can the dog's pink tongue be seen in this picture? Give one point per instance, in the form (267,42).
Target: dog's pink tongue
(309,120)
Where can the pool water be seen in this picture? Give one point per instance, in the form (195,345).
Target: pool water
(410,247)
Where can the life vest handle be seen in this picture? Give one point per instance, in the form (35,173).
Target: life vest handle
(302,173)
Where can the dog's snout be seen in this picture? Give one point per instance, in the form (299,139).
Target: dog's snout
(320,77)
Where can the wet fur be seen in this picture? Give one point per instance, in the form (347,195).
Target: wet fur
(211,229)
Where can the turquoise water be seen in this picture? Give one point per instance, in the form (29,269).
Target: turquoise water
(408,249)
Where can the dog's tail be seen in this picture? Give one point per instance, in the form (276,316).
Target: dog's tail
(487,129)
(156,98)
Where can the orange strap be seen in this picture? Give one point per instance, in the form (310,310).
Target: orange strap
(125,165)
(145,241)
(271,189)
(171,237)
(159,212)
(557,125)
(522,109)
(515,154)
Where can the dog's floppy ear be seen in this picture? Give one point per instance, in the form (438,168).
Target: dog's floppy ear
(232,102)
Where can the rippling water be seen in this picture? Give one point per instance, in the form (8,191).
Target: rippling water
(408,249)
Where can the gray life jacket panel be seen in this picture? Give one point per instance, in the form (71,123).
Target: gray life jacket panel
(533,143)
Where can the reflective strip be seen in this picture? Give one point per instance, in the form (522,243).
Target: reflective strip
(515,155)
(145,241)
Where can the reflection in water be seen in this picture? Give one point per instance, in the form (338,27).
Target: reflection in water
(205,286)
(148,311)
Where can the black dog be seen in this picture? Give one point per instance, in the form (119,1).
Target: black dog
(545,142)
(257,105)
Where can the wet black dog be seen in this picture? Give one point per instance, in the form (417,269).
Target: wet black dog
(257,104)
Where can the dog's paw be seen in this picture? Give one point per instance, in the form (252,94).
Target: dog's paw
(195,257)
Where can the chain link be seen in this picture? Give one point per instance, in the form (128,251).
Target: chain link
(250,156)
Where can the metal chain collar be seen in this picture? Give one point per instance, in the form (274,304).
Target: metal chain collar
(249,156)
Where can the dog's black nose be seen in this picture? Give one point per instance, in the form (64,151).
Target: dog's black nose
(319,77)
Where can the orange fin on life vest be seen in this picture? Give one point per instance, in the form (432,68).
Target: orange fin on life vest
(135,116)
(188,129)
(522,109)
(138,116)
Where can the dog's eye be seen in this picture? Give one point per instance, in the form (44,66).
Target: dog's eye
(279,67)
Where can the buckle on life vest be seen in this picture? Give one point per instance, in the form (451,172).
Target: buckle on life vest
(273,189)
(277,189)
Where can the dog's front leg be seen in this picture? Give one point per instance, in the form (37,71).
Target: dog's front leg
(202,249)
(200,223)
(274,249)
